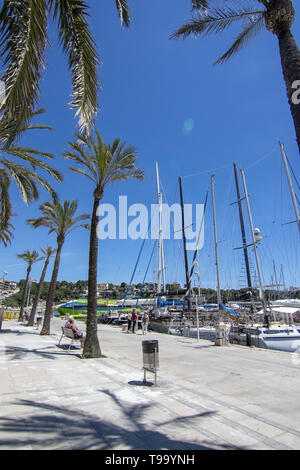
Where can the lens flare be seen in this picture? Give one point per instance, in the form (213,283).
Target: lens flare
(188,126)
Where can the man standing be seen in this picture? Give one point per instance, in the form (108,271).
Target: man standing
(134,319)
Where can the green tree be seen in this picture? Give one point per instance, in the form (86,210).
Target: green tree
(59,219)
(23,39)
(48,252)
(103,165)
(277,16)
(30,257)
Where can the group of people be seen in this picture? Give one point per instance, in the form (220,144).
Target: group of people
(132,319)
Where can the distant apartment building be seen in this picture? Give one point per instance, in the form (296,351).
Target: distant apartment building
(102,287)
(150,286)
(175,285)
(6,285)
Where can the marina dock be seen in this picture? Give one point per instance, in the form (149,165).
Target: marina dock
(207,397)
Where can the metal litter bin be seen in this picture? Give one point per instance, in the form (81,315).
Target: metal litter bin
(150,357)
(38,322)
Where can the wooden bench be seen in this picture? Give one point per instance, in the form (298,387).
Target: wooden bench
(68,333)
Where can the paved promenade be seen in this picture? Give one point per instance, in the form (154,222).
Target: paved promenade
(207,397)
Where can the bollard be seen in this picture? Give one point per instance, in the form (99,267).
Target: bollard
(220,336)
(150,358)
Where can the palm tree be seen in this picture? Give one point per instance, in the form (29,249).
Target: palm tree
(58,218)
(30,258)
(277,16)
(103,165)
(23,40)
(48,252)
(27,177)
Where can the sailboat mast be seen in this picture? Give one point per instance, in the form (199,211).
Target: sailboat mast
(212,182)
(161,261)
(255,249)
(184,241)
(285,163)
(242,226)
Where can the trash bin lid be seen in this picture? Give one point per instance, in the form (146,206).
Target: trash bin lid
(150,346)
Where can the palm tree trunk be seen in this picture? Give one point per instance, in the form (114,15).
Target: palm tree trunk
(38,294)
(91,345)
(49,304)
(290,61)
(24,295)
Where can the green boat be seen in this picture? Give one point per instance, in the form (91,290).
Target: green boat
(78,308)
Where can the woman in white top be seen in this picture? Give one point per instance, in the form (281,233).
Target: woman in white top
(145,322)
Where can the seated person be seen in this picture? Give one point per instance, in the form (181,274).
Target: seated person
(77,333)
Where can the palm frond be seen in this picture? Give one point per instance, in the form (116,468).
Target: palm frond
(23,37)
(198,4)
(27,180)
(124,13)
(6,234)
(85,226)
(82,172)
(12,128)
(214,22)
(23,153)
(79,46)
(125,175)
(249,32)
(79,155)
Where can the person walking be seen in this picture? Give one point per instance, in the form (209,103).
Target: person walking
(134,320)
(145,322)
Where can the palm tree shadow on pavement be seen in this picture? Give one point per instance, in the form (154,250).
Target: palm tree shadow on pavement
(46,426)
(134,413)
(18,353)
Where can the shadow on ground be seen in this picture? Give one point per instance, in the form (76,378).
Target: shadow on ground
(13,353)
(45,426)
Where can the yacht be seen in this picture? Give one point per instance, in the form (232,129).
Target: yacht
(276,336)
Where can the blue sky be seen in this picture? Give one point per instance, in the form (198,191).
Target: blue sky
(169,101)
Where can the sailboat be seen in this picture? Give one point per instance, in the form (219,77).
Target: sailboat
(270,335)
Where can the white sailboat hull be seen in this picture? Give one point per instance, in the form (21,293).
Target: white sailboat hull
(289,343)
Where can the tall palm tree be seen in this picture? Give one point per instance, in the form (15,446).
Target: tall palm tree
(58,218)
(102,164)
(277,16)
(30,257)
(27,177)
(23,40)
(48,252)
